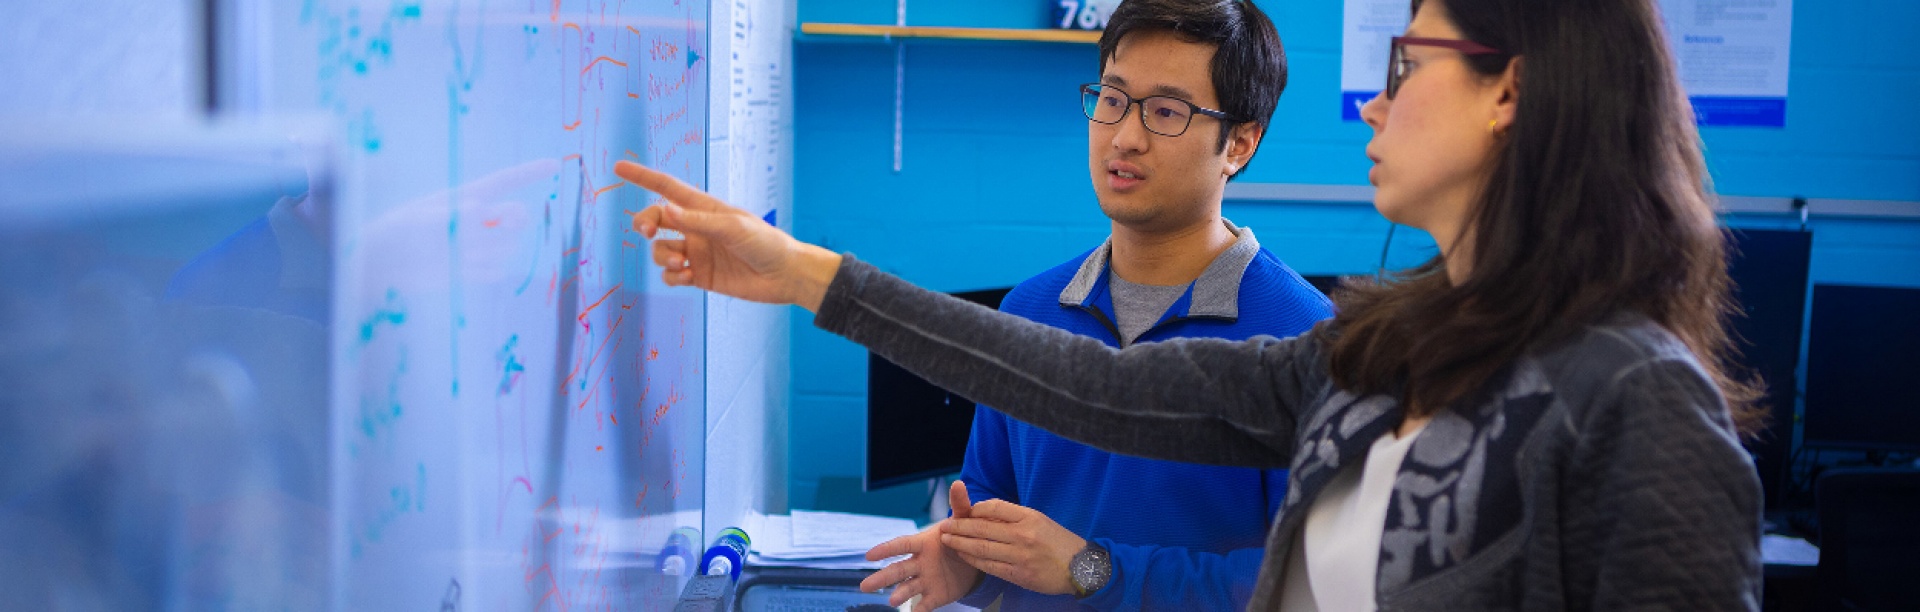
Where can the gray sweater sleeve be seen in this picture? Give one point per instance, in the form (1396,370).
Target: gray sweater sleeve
(1194,400)
(1663,506)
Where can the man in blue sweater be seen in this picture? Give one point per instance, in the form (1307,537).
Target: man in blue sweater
(1185,93)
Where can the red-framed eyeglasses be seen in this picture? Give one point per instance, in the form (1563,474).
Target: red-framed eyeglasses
(1396,58)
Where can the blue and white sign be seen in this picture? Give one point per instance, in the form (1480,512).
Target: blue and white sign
(1732,56)
(1082,14)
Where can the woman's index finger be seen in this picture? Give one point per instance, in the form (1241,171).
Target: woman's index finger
(666,185)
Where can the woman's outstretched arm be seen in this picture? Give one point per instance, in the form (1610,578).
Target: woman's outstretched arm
(1195,400)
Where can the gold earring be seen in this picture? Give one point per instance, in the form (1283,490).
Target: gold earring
(1493,125)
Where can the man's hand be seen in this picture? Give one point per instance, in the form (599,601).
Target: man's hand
(1015,543)
(727,250)
(933,571)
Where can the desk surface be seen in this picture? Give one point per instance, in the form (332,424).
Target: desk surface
(809,590)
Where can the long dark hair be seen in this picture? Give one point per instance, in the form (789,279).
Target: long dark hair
(1598,204)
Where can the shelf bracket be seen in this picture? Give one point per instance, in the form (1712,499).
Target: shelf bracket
(899,85)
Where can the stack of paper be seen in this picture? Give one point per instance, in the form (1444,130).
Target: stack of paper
(1786,550)
(825,540)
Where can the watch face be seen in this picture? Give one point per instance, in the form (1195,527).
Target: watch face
(1091,568)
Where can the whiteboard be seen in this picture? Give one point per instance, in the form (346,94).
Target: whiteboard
(517,404)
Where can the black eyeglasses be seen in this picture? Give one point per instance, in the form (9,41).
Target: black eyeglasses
(1397,69)
(1163,115)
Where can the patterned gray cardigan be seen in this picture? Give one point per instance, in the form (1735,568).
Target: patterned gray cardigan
(1604,473)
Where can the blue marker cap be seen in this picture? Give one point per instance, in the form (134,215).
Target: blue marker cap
(727,554)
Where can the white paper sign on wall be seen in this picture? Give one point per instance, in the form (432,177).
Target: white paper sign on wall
(1732,56)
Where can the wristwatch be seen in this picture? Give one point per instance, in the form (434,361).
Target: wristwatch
(1090,570)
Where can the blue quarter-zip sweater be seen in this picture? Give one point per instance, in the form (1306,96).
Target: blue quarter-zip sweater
(1183,536)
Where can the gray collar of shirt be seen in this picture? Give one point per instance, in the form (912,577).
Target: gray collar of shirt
(1215,294)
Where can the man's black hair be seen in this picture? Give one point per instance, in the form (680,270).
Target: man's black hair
(1249,65)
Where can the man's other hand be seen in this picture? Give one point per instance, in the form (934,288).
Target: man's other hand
(931,570)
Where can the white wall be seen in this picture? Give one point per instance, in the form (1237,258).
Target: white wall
(750,162)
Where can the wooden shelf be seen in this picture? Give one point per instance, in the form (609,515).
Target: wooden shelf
(1012,34)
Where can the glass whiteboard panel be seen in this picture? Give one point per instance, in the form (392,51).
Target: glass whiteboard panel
(518,402)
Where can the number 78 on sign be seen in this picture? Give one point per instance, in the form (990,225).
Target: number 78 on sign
(1082,14)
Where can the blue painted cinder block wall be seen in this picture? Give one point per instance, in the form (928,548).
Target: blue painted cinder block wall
(995,187)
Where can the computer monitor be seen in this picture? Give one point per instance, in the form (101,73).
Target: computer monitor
(1769,272)
(1327,283)
(1863,353)
(916,430)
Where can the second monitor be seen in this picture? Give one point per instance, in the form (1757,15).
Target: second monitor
(915,430)
(1861,362)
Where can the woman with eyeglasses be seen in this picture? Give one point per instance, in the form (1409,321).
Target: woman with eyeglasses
(1539,418)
